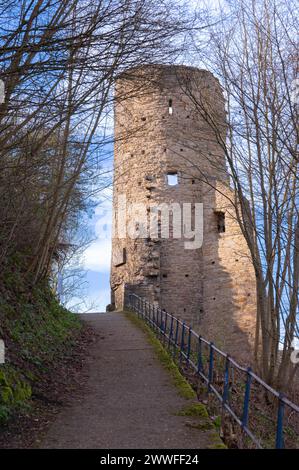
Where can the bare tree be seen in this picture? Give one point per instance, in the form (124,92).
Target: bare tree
(252,50)
(59,61)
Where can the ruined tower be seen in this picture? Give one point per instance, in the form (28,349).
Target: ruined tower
(169,125)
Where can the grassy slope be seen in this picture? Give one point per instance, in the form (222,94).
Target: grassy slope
(36,331)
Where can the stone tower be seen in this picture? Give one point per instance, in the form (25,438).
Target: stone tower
(168,152)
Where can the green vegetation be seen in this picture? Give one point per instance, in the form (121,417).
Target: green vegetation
(36,330)
(204,423)
(14,392)
(196,409)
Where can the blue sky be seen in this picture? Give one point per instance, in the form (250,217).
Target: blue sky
(96,259)
(92,293)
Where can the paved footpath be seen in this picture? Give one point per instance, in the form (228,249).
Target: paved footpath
(129,400)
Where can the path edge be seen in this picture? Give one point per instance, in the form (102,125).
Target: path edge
(193,407)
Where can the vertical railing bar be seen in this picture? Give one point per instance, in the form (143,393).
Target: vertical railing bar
(189,345)
(165,326)
(211,366)
(175,345)
(199,359)
(279,443)
(226,381)
(246,398)
(182,341)
(170,332)
(153,317)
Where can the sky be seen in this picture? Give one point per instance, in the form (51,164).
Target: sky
(96,259)
(92,293)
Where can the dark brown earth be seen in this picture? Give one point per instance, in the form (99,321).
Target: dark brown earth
(64,381)
(129,399)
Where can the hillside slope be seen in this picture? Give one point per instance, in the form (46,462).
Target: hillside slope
(37,332)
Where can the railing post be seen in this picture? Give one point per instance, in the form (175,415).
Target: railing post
(189,345)
(182,341)
(246,399)
(175,344)
(211,367)
(161,323)
(170,332)
(199,358)
(226,381)
(279,430)
(165,326)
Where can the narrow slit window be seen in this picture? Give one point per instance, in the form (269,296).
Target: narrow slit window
(220,216)
(172,179)
(170,108)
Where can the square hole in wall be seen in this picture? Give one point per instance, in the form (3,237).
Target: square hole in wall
(172,178)
(220,220)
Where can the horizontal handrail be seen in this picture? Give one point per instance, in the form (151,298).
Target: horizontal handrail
(172,327)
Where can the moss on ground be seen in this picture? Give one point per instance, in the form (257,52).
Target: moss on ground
(14,392)
(36,331)
(196,410)
(204,423)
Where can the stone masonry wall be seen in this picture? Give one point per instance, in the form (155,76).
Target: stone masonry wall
(158,131)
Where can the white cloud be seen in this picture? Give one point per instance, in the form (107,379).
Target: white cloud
(97,257)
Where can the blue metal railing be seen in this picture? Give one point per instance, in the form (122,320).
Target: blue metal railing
(189,346)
